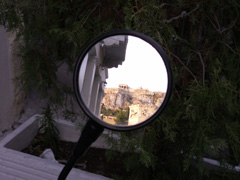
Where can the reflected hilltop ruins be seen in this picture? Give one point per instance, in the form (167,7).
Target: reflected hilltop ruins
(138,104)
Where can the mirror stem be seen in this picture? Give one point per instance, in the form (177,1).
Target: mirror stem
(90,133)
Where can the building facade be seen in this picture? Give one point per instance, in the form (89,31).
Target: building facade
(108,53)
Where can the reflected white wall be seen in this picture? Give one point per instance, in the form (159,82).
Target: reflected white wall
(91,79)
(93,72)
(82,72)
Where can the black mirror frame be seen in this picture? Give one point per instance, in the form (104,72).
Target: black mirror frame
(76,80)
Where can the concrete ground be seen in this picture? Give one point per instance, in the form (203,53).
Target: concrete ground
(16,165)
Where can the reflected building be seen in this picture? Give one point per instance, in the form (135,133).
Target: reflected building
(106,54)
(123,86)
(108,119)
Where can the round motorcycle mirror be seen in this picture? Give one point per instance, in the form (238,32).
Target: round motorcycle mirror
(123,80)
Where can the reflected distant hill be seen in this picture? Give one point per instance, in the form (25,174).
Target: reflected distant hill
(123,97)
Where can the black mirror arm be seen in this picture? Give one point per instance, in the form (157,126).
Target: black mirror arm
(90,133)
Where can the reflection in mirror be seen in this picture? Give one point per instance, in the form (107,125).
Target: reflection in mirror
(123,80)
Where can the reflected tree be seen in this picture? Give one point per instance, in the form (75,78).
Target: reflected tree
(122,116)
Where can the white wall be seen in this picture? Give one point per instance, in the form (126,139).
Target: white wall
(7,112)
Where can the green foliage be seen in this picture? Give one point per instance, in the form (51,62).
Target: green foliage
(202,41)
(49,129)
(108,112)
(122,116)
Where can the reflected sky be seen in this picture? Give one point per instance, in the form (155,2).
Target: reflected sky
(143,67)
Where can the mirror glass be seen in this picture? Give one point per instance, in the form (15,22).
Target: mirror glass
(122,80)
